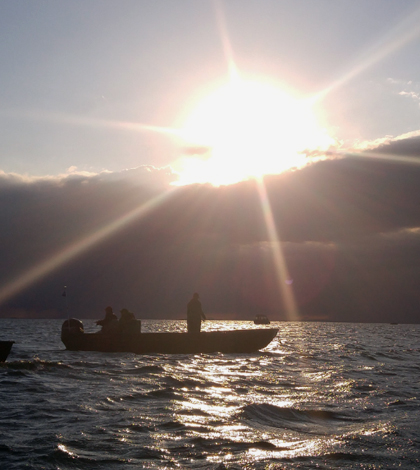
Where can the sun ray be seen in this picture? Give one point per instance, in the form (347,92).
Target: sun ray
(369,150)
(247,128)
(224,36)
(74,249)
(402,34)
(76,120)
(385,157)
(283,277)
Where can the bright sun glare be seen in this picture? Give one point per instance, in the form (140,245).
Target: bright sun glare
(245,130)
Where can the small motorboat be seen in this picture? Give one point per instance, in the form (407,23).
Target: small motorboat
(5,347)
(134,341)
(261,320)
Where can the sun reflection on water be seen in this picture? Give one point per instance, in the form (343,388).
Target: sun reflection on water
(64,449)
(296,392)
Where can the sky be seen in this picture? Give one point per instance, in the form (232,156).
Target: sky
(263,153)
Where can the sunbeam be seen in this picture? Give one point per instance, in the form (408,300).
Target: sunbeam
(78,120)
(283,277)
(370,150)
(75,120)
(402,34)
(72,250)
(224,36)
(386,157)
(246,128)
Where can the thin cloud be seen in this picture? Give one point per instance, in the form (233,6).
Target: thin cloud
(197,150)
(145,175)
(410,94)
(403,33)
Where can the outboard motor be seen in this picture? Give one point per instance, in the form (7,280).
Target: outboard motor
(72,326)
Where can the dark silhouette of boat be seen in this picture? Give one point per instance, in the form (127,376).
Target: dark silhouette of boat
(261,320)
(5,347)
(228,341)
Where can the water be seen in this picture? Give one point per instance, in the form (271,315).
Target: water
(320,396)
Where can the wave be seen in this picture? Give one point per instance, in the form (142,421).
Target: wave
(167,393)
(139,428)
(172,426)
(194,412)
(309,421)
(33,365)
(149,370)
(330,400)
(202,444)
(63,456)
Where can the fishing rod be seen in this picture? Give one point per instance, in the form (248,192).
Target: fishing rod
(64,294)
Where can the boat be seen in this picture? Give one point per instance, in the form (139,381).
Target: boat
(261,320)
(5,347)
(227,341)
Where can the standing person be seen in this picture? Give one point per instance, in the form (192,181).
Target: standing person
(194,314)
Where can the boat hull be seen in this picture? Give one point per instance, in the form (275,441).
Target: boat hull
(235,341)
(5,347)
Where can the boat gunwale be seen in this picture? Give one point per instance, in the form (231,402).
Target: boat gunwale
(225,341)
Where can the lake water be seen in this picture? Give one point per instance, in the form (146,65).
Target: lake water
(320,396)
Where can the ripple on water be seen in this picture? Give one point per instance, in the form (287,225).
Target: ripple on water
(306,420)
(323,396)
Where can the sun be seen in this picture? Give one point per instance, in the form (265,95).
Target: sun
(244,130)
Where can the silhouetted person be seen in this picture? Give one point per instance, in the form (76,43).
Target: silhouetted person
(128,323)
(126,316)
(194,314)
(110,322)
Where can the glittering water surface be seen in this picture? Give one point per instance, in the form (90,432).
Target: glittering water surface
(321,395)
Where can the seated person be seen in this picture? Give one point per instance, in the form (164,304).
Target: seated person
(110,322)
(128,323)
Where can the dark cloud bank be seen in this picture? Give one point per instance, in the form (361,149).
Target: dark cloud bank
(349,230)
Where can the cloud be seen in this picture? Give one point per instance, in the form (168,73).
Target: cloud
(348,228)
(197,150)
(406,145)
(322,154)
(410,94)
(410,89)
(145,175)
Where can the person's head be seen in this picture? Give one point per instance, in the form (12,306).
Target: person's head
(195,295)
(124,311)
(108,310)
